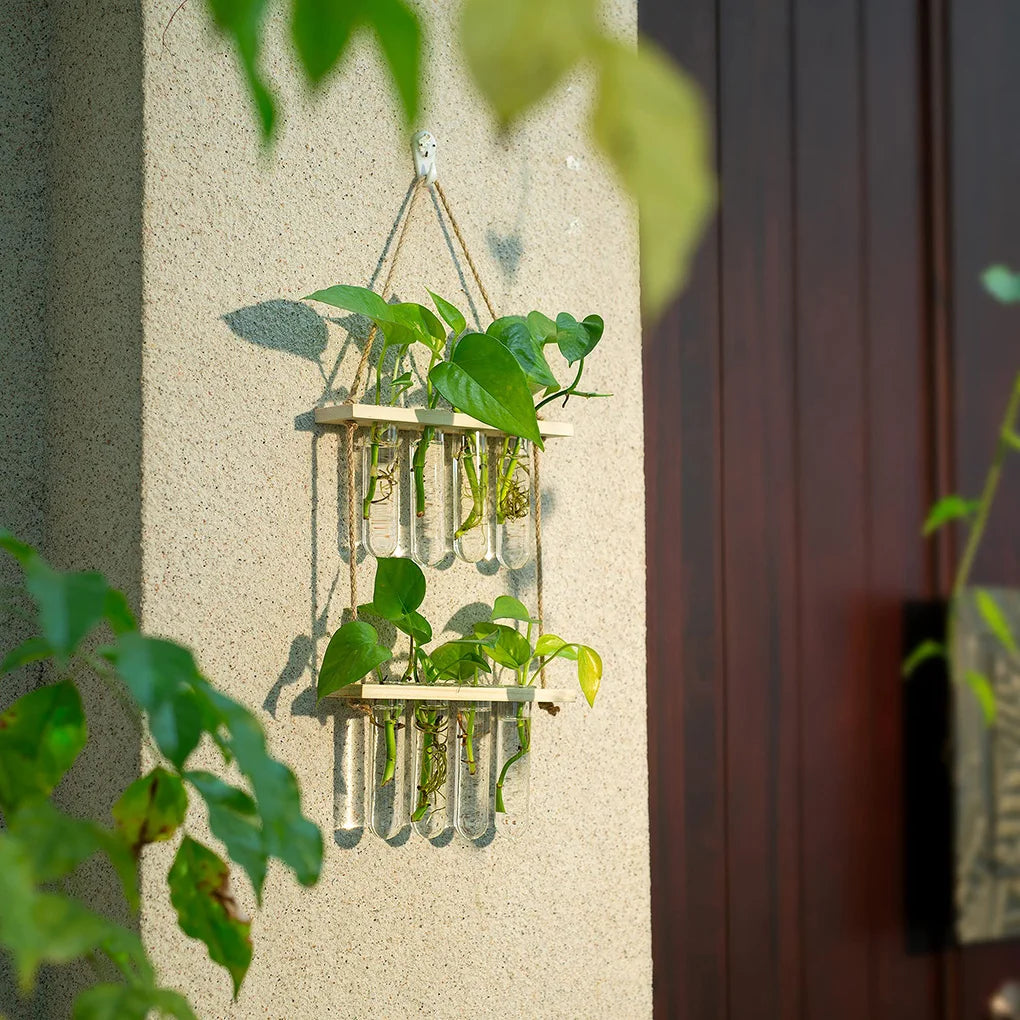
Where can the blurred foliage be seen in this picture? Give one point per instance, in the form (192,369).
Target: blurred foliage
(647,117)
(41,736)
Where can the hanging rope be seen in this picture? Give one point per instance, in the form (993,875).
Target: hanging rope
(352,396)
(352,427)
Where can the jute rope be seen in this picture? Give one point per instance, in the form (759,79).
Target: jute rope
(356,387)
(352,397)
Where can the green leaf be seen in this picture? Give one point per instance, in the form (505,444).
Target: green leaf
(506,607)
(1002,284)
(151,809)
(200,893)
(57,843)
(517,50)
(359,300)
(21,551)
(352,653)
(949,508)
(513,333)
(985,694)
(504,645)
(41,735)
(241,20)
(69,604)
(589,672)
(452,316)
(399,587)
(650,121)
(43,927)
(543,329)
(400,38)
(233,821)
(922,653)
(551,646)
(162,677)
(118,613)
(401,324)
(416,626)
(576,340)
(129,1002)
(997,623)
(458,661)
(483,379)
(321,30)
(287,834)
(32,650)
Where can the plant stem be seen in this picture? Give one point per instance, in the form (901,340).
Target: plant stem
(418,464)
(478,481)
(373,475)
(505,468)
(468,728)
(524,746)
(977,529)
(566,392)
(391,747)
(991,485)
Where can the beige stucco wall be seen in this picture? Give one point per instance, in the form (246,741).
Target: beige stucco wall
(234,504)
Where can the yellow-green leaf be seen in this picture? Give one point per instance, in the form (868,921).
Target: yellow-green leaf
(517,50)
(589,672)
(922,653)
(985,694)
(649,119)
(992,614)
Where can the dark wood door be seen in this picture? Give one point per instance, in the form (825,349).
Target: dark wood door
(834,365)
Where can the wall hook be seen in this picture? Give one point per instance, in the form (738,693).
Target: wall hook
(423,148)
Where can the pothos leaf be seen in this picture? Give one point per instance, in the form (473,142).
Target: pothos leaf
(483,379)
(200,893)
(589,672)
(506,607)
(352,653)
(576,340)
(399,587)
(452,316)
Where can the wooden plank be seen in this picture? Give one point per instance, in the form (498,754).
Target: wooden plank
(446,692)
(420,417)
(833,540)
(686,661)
(759,485)
(904,987)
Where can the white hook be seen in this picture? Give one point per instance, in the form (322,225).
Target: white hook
(423,148)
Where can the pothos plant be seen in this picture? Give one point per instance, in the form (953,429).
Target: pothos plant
(503,643)
(1004,286)
(501,377)
(41,846)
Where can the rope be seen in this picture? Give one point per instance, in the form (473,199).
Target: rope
(537,482)
(464,248)
(352,426)
(352,395)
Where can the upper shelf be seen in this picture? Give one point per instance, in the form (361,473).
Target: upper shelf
(420,417)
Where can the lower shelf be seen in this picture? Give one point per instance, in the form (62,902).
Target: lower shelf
(446,692)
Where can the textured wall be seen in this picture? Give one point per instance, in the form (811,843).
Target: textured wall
(236,506)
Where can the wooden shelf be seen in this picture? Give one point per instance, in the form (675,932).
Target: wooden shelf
(447,692)
(419,417)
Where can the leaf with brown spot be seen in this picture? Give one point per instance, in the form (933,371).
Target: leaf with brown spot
(151,809)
